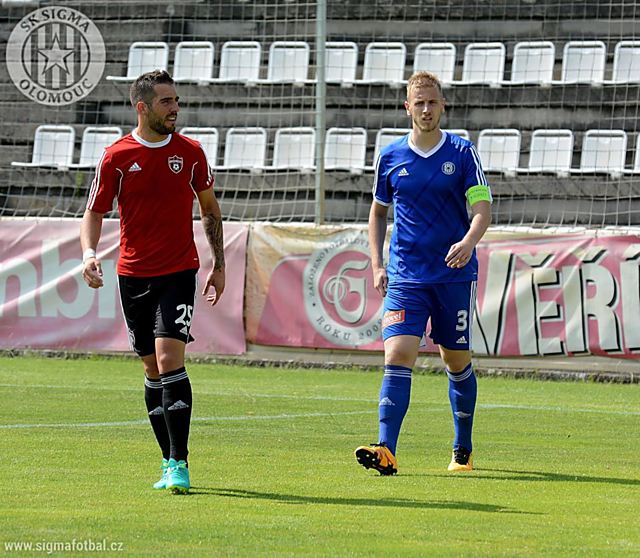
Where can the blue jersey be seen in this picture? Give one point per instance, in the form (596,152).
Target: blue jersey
(428,193)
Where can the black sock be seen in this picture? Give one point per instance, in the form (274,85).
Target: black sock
(153,398)
(176,401)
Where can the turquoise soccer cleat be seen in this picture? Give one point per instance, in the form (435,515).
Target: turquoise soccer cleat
(178,477)
(162,483)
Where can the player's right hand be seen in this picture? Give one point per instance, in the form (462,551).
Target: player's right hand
(92,273)
(380,280)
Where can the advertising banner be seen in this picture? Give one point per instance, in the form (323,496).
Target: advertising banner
(45,304)
(538,294)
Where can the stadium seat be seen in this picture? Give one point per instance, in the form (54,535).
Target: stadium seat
(626,62)
(288,62)
(385,136)
(144,57)
(193,62)
(533,62)
(294,148)
(341,61)
(603,151)
(483,63)
(52,147)
(438,58)
(384,63)
(584,62)
(464,134)
(345,149)
(245,148)
(550,151)
(499,150)
(94,141)
(240,61)
(636,160)
(208,137)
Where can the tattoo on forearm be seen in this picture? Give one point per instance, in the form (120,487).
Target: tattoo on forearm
(213,231)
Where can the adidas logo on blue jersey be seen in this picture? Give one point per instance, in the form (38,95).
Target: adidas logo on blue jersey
(386,401)
(403,172)
(462,339)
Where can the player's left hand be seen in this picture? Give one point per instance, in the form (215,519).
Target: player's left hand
(459,254)
(215,279)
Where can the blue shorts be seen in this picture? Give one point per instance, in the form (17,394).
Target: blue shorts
(407,309)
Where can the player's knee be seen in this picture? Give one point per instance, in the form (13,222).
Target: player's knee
(150,367)
(169,360)
(456,361)
(400,355)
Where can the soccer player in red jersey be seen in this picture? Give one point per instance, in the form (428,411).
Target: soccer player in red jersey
(154,173)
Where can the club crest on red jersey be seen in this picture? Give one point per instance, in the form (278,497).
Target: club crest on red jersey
(175,163)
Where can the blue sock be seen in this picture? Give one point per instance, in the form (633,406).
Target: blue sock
(394,402)
(463,390)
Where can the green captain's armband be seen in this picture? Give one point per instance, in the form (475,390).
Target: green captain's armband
(478,193)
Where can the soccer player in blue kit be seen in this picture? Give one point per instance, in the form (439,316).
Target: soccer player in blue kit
(429,176)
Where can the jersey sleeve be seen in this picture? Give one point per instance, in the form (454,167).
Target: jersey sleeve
(202,175)
(382,192)
(474,178)
(105,185)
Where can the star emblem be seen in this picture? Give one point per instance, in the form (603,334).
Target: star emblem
(56,56)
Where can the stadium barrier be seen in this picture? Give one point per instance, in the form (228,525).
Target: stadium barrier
(543,294)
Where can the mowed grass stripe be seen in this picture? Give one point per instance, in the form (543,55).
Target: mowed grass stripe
(556,462)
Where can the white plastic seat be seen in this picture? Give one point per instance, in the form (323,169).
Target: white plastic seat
(193,61)
(550,151)
(240,61)
(603,151)
(294,148)
(584,62)
(533,62)
(384,63)
(144,57)
(499,149)
(288,62)
(636,160)
(208,138)
(94,141)
(52,147)
(345,148)
(483,63)
(385,136)
(464,134)
(438,58)
(245,148)
(341,61)
(626,62)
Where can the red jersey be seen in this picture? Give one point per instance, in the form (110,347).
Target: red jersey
(155,185)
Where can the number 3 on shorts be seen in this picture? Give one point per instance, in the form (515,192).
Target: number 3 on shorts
(462,324)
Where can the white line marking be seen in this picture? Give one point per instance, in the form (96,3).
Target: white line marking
(490,406)
(143,422)
(416,405)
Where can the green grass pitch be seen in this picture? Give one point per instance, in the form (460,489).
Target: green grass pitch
(274,474)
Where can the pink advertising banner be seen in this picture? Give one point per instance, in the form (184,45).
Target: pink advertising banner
(538,294)
(45,304)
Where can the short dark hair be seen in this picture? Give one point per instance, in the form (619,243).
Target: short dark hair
(142,88)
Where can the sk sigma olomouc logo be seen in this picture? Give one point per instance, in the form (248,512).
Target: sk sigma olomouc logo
(55,56)
(339,298)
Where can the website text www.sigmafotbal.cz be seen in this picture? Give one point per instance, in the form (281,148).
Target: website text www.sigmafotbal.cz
(74,545)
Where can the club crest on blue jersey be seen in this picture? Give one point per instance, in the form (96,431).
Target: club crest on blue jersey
(448,167)
(175,163)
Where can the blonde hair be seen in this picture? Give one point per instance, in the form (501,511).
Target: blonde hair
(423,79)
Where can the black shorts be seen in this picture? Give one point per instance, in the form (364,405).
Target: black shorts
(157,307)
